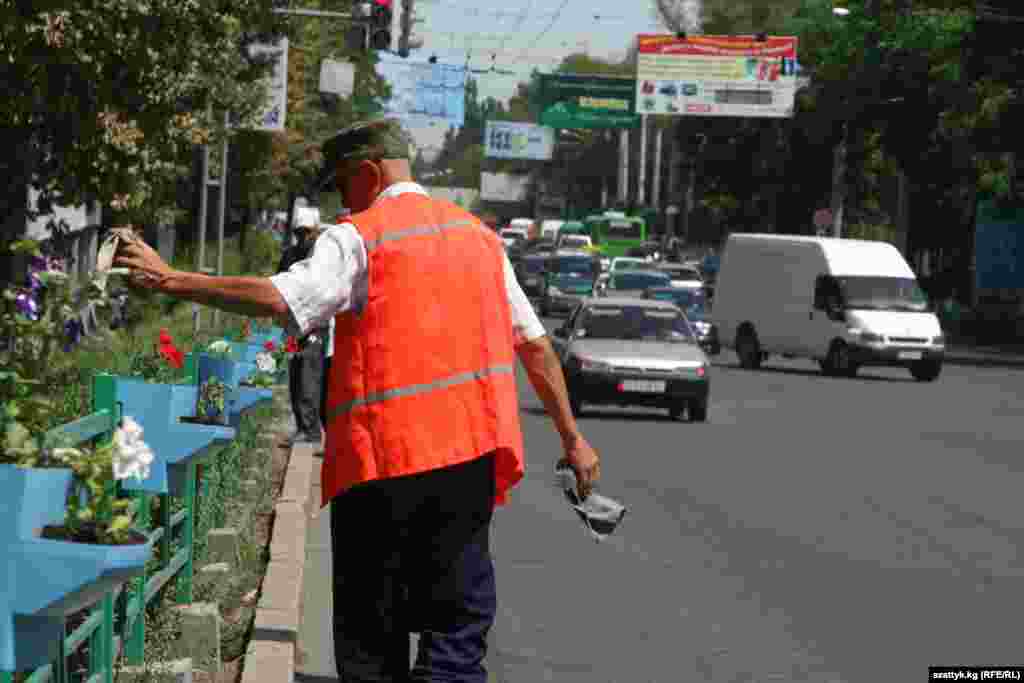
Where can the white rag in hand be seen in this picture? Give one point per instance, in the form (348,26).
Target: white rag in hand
(599,514)
(108,250)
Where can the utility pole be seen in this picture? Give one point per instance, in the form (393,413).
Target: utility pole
(204,191)
(641,174)
(624,166)
(866,82)
(222,199)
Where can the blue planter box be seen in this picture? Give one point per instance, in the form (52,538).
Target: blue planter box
(158,408)
(231,373)
(46,580)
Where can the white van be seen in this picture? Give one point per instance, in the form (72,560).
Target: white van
(844,303)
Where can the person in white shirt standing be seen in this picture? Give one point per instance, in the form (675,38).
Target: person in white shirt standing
(306,369)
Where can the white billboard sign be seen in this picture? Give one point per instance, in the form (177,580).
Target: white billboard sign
(504,187)
(338,78)
(272,118)
(716,75)
(512,140)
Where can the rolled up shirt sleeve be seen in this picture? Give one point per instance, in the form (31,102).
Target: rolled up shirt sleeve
(526,326)
(325,284)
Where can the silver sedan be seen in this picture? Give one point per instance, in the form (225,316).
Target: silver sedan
(620,351)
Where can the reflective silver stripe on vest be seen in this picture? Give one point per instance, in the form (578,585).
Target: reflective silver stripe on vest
(392,235)
(413,389)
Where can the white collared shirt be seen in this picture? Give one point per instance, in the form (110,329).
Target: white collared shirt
(335,278)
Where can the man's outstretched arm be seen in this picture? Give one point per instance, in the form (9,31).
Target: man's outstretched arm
(545,373)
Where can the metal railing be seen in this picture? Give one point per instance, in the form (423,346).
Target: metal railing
(124,607)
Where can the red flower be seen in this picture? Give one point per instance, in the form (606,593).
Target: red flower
(165,338)
(291,346)
(172,355)
(269,346)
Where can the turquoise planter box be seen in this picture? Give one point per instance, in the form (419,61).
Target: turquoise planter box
(231,373)
(43,581)
(158,408)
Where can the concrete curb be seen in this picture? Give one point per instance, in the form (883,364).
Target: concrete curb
(271,655)
(985,361)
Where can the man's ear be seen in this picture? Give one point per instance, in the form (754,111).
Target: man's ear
(372,175)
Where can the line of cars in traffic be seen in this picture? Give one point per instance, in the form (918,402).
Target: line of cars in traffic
(636,332)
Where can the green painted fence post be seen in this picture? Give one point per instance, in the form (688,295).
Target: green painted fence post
(101,642)
(107,638)
(165,522)
(60,665)
(184,581)
(135,636)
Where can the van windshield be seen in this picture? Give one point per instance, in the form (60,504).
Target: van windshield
(883,293)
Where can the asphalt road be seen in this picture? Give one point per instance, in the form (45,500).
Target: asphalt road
(815,529)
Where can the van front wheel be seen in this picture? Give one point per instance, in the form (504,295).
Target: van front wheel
(748,350)
(838,362)
(926,370)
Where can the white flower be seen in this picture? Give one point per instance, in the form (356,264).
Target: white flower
(132,455)
(220,346)
(265,362)
(66,454)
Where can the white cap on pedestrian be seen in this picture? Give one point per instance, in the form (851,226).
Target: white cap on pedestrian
(307,217)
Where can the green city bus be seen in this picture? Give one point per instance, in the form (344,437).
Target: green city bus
(614,233)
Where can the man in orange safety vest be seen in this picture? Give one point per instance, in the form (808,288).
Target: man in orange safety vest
(423,433)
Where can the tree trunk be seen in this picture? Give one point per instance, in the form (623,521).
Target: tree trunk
(18,169)
(904,195)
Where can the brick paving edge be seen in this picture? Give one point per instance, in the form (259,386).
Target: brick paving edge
(271,654)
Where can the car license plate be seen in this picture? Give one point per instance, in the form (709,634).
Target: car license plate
(645,386)
(910,355)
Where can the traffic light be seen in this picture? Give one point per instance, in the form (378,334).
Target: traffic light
(380,25)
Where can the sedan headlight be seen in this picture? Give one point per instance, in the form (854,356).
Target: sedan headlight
(867,336)
(590,365)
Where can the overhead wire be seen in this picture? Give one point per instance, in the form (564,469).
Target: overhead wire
(554,19)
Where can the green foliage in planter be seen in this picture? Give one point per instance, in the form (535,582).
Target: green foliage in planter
(37,328)
(212,393)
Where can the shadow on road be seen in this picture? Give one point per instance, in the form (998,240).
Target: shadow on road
(608,414)
(811,372)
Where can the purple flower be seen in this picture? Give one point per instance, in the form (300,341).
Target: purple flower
(34,283)
(72,333)
(37,264)
(27,305)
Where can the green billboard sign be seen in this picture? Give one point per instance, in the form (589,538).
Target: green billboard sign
(570,101)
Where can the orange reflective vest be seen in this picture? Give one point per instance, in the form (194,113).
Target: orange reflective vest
(424,376)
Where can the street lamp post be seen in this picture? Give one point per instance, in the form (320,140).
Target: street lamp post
(839,157)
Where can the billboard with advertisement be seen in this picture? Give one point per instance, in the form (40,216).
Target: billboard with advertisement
(716,76)
(424,93)
(504,187)
(513,140)
(571,101)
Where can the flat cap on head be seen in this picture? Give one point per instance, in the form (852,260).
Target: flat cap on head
(365,140)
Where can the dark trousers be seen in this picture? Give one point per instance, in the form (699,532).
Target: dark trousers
(323,391)
(412,555)
(305,379)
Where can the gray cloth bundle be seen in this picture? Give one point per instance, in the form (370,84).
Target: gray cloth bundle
(600,514)
(108,250)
